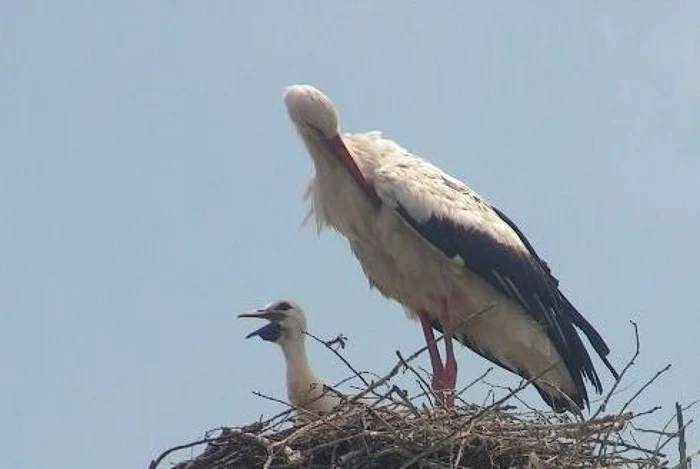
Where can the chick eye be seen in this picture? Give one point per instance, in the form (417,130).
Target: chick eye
(283,306)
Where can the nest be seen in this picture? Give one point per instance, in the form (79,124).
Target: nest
(391,430)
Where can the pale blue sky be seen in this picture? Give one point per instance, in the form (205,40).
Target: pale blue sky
(150,187)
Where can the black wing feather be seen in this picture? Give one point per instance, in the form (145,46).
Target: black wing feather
(527,280)
(577,318)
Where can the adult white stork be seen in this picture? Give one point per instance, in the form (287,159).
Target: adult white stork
(286,328)
(452,259)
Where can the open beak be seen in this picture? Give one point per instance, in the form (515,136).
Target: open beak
(269,332)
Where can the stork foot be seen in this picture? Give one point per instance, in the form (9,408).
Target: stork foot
(444,376)
(444,382)
(449,375)
(443,389)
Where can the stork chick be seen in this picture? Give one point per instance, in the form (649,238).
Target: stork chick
(287,329)
(454,261)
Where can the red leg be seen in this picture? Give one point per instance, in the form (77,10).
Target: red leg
(433,351)
(444,376)
(450,373)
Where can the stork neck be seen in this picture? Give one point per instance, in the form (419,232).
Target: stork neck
(298,368)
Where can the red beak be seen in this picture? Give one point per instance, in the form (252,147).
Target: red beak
(340,150)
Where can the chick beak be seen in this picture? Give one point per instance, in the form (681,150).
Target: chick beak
(269,332)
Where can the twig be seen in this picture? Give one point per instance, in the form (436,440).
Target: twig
(404,398)
(299,410)
(475,380)
(683,464)
(646,385)
(394,371)
(340,340)
(420,378)
(329,346)
(672,436)
(634,396)
(164,454)
(438,444)
(669,421)
(628,446)
(629,364)
(228,435)
(647,412)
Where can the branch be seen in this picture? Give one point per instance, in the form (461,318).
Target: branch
(436,446)
(683,464)
(622,374)
(227,435)
(341,339)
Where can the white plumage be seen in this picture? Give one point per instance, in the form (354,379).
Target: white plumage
(287,328)
(449,257)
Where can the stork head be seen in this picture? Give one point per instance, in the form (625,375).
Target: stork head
(311,111)
(316,121)
(286,322)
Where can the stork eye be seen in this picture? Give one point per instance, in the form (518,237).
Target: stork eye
(319,133)
(283,306)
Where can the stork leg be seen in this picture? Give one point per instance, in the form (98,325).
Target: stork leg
(444,376)
(435,360)
(450,371)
